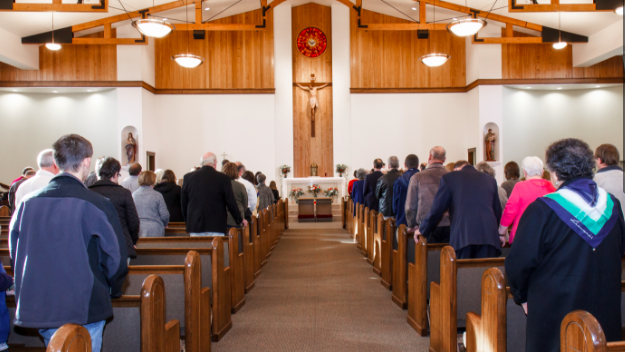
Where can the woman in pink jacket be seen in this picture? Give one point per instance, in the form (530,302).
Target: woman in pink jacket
(524,193)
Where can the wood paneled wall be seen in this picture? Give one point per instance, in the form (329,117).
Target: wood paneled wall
(306,149)
(233,59)
(390,59)
(71,63)
(543,61)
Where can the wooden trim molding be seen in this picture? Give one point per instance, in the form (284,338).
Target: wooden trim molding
(487,82)
(129,84)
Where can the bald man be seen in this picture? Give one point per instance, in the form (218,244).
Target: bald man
(207,197)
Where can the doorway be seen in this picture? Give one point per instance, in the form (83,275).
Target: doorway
(471,156)
(151,161)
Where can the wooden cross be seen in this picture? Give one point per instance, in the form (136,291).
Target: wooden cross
(314,102)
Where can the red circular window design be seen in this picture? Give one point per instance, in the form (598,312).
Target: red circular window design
(312,42)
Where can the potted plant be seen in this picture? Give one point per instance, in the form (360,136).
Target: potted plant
(314,189)
(285,169)
(296,193)
(340,168)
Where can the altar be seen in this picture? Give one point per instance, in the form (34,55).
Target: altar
(340,183)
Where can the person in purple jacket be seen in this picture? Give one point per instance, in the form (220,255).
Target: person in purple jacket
(75,248)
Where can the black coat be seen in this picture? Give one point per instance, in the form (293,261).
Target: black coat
(172,194)
(384,192)
(121,198)
(556,272)
(472,198)
(206,193)
(371,182)
(276,195)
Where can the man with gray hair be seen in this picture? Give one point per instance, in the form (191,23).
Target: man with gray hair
(47,170)
(265,195)
(384,189)
(421,191)
(206,198)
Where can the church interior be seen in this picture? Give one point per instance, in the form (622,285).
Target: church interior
(317,97)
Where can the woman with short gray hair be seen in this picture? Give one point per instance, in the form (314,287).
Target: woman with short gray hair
(568,249)
(524,194)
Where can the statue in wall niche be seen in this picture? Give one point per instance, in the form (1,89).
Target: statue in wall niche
(131,149)
(489,141)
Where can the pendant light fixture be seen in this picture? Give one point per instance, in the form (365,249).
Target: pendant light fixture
(53,46)
(619,11)
(435,59)
(188,60)
(560,45)
(152,27)
(466,27)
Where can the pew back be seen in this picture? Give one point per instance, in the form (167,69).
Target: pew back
(70,338)
(580,331)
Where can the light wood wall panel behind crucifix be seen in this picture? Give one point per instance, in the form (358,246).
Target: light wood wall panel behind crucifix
(308,149)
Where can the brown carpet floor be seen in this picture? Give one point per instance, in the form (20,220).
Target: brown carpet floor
(317,293)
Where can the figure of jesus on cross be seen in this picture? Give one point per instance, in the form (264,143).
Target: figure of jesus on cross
(314,103)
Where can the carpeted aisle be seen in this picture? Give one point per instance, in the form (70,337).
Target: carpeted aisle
(317,293)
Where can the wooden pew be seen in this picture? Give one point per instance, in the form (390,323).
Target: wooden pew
(138,324)
(286,214)
(424,270)
(349,222)
(266,233)
(502,325)
(214,275)
(377,232)
(5,211)
(448,309)
(580,331)
(343,213)
(188,302)
(387,231)
(362,236)
(70,338)
(370,224)
(235,257)
(259,258)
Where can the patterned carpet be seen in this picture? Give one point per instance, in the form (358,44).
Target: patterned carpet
(317,293)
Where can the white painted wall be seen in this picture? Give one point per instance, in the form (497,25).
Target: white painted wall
(535,119)
(601,46)
(12,52)
(341,83)
(135,62)
(283,76)
(484,61)
(33,122)
(180,128)
(383,125)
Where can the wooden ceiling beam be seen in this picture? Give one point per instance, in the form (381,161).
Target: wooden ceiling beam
(56,5)
(403,26)
(110,41)
(220,27)
(555,6)
(274,3)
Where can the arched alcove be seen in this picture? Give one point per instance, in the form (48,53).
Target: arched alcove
(124,137)
(497,151)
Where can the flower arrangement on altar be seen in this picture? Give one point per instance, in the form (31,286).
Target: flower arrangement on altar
(340,168)
(296,193)
(314,189)
(331,192)
(285,169)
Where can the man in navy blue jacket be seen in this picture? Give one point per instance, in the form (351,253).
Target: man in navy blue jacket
(371,182)
(68,251)
(472,198)
(400,189)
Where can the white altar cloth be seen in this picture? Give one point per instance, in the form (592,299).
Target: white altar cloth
(324,182)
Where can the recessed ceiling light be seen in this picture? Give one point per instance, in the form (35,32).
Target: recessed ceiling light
(414,9)
(54,91)
(559,88)
(15,90)
(89,90)
(529,87)
(208,8)
(597,86)
(619,11)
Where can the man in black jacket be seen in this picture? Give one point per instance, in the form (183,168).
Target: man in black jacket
(68,251)
(384,189)
(206,194)
(472,198)
(371,182)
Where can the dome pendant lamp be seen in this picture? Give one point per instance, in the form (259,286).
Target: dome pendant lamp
(467,27)
(560,44)
(188,60)
(434,59)
(53,46)
(153,27)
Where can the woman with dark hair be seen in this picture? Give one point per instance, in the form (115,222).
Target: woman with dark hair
(107,186)
(240,194)
(359,187)
(567,251)
(151,207)
(276,193)
(512,173)
(255,183)
(171,194)
(249,176)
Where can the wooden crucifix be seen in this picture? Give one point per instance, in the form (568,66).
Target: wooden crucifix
(314,103)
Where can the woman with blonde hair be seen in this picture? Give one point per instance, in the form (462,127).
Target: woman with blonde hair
(153,213)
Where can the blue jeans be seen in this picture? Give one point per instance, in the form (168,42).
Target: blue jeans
(95,330)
